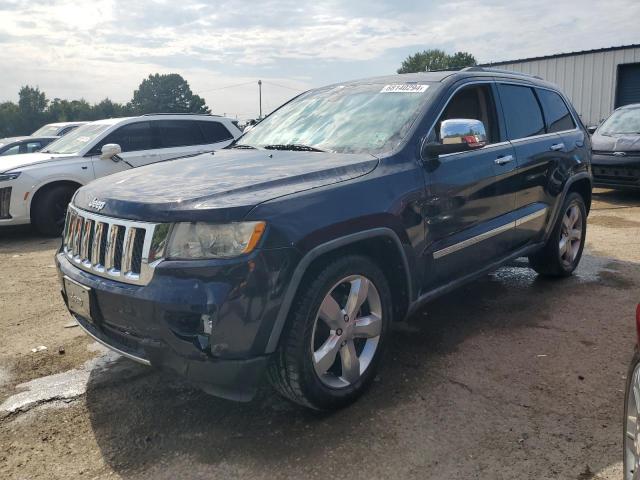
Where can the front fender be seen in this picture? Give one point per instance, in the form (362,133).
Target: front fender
(316,252)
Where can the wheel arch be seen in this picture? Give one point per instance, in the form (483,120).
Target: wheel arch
(583,186)
(45,186)
(581,183)
(371,243)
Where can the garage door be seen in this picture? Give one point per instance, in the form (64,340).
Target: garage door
(628,84)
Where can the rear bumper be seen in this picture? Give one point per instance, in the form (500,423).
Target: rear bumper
(207,321)
(616,172)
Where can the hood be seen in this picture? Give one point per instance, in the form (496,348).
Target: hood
(615,143)
(15,162)
(222,186)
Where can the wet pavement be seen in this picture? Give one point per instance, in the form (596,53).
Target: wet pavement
(511,376)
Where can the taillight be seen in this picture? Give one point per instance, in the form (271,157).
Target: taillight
(638,323)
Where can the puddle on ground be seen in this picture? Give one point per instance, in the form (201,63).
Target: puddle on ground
(591,269)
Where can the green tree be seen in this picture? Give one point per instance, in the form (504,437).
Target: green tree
(9,119)
(69,110)
(32,104)
(108,109)
(166,94)
(435,59)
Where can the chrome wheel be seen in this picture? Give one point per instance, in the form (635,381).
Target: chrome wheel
(346,331)
(571,235)
(632,429)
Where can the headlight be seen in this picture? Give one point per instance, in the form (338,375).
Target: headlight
(207,240)
(9,176)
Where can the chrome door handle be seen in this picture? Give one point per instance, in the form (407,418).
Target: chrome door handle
(557,147)
(503,160)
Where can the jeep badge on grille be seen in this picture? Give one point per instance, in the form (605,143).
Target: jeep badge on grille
(96,204)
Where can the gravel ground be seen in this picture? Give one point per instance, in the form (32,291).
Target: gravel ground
(511,376)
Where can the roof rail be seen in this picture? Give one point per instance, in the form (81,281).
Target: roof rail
(499,70)
(182,113)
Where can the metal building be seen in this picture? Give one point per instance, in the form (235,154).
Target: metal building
(596,81)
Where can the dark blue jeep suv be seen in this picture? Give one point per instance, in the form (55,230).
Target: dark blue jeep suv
(288,254)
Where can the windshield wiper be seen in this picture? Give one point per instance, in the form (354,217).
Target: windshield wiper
(296,147)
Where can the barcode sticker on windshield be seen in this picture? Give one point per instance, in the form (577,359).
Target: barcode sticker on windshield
(405,88)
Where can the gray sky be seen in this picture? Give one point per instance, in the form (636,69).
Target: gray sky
(104,48)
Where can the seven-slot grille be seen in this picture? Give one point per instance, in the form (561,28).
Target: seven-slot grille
(109,247)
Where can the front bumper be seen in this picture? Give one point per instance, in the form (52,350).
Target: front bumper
(616,172)
(166,323)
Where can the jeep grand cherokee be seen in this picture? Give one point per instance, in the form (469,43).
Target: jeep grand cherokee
(289,253)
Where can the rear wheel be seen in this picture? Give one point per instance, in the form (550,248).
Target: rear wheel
(563,251)
(50,207)
(332,346)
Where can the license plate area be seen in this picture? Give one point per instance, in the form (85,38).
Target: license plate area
(78,298)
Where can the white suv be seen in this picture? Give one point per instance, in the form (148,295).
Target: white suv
(36,188)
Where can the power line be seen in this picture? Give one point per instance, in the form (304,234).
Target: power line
(228,86)
(282,86)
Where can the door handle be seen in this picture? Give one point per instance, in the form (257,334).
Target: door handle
(556,147)
(503,160)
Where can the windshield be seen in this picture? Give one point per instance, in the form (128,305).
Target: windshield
(362,118)
(77,139)
(622,121)
(46,131)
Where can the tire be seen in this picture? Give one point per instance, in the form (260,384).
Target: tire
(630,429)
(301,369)
(49,209)
(562,253)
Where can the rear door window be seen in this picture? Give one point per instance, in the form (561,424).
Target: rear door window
(214,132)
(131,138)
(178,133)
(555,111)
(521,111)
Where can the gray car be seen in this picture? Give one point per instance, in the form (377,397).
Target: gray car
(17,145)
(616,150)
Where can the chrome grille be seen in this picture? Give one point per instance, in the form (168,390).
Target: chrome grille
(5,202)
(109,247)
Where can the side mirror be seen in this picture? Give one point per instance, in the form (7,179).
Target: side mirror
(109,151)
(457,135)
(592,129)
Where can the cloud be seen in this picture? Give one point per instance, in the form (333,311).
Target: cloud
(99,48)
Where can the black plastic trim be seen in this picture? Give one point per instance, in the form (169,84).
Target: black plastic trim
(314,253)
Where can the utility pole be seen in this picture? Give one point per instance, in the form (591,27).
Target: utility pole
(260,97)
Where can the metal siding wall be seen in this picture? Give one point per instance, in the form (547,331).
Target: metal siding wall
(588,79)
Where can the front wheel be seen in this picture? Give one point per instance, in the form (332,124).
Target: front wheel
(563,251)
(50,207)
(335,334)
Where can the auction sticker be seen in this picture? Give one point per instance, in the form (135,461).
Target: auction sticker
(405,88)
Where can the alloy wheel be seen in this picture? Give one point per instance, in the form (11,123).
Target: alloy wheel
(632,429)
(346,332)
(571,235)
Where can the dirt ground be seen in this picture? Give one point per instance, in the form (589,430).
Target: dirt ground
(511,376)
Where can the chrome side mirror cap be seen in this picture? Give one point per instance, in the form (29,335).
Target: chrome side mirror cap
(109,151)
(469,134)
(456,135)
